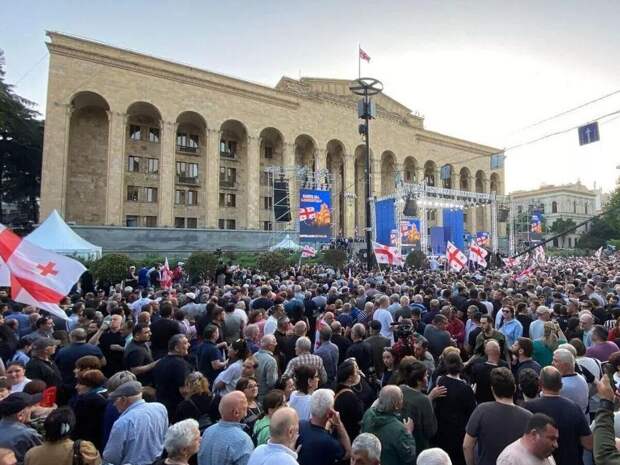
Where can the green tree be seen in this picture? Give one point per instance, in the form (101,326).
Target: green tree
(272,262)
(604,228)
(335,258)
(200,266)
(562,224)
(21,148)
(110,268)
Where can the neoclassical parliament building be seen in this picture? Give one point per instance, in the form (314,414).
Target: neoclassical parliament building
(138,141)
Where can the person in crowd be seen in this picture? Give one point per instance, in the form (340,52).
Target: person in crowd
(437,335)
(454,409)
(536,330)
(16,376)
(480,371)
(574,432)
(181,443)
(58,448)
(283,432)
(397,442)
(267,370)
(366,450)
(329,353)
(359,348)
(304,357)
(15,434)
(488,332)
(198,403)
(163,329)
(601,349)
(511,328)
(226,442)
(41,366)
(210,358)
(586,323)
(272,401)
(249,387)
(527,385)
(383,316)
(605,450)
(170,373)
(574,386)
(138,357)
(137,436)
(111,340)
(413,376)
(226,381)
(89,406)
(323,438)
(536,446)
(494,425)
(111,413)
(522,350)
(377,344)
(544,346)
(348,400)
(306,382)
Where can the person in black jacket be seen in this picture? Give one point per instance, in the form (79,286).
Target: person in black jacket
(89,407)
(360,349)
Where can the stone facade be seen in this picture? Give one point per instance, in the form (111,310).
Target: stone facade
(139,141)
(569,202)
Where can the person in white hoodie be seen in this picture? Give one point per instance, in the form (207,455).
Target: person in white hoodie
(280,450)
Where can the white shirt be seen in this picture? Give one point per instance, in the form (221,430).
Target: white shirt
(300,402)
(384,317)
(516,454)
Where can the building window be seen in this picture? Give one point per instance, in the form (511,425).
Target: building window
(150,221)
(150,194)
(226,224)
(267,226)
(134,164)
(179,222)
(134,132)
(228,200)
(131,221)
(152,165)
(267,203)
(192,223)
(228,148)
(154,135)
(554,207)
(266,178)
(268,152)
(132,193)
(179,197)
(585,206)
(570,242)
(228,176)
(192,198)
(187,172)
(187,143)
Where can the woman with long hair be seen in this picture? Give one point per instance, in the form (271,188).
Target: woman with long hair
(249,387)
(227,379)
(544,346)
(347,401)
(198,403)
(307,381)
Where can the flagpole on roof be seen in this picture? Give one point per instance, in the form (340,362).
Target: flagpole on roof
(359,61)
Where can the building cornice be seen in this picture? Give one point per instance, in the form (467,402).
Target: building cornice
(107,55)
(455,143)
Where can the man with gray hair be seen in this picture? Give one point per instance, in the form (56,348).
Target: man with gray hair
(397,442)
(318,444)
(283,431)
(434,456)
(67,356)
(304,357)
(574,386)
(182,441)
(267,370)
(366,450)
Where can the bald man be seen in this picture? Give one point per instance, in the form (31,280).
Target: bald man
(481,370)
(280,450)
(226,443)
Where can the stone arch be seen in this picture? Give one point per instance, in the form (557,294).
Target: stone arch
(305,151)
(480,181)
(335,165)
(388,168)
(87,162)
(191,132)
(464,179)
(409,169)
(554,207)
(233,155)
(447,183)
(430,168)
(480,186)
(495,183)
(272,147)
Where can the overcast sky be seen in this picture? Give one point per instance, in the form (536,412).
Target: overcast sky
(479,70)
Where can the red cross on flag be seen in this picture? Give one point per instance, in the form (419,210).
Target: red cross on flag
(308,251)
(387,255)
(38,277)
(166,276)
(511,261)
(456,259)
(364,56)
(307,213)
(478,255)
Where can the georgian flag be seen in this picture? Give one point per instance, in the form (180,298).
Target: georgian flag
(478,255)
(456,259)
(307,213)
(166,276)
(538,255)
(511,261)
(37,276)
(364,56)
(387,255)
(308,251)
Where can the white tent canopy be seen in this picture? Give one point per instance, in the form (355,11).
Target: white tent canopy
(55,235)
(286,244)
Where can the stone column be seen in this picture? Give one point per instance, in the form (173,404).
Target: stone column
(253,186)
(115,184)
(349,195)
(212,188)
(419,174)
(320,159)
(375,178)
(288,161)
(55,159)
(167,172)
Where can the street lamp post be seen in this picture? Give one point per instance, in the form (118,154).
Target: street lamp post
(366,110)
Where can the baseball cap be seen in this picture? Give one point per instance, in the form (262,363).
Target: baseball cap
(132,388)
(17,402)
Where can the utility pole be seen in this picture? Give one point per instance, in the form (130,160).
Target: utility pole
(366,110)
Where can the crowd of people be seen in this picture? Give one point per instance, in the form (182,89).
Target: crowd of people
(314,367)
